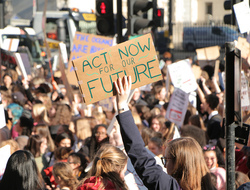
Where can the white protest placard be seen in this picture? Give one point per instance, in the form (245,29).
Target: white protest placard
(182,76)
(176,133)
(246,108)
(2,117)
(242,14)
(64,53)
(21,65)
(10,44)
(192,99)
(4,156)
(177,107)
(244,91)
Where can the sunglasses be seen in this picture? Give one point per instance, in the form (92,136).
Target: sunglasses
(208,147)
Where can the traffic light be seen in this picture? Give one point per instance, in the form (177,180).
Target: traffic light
(158,17)
(104,17)
(136,10)
(230,18)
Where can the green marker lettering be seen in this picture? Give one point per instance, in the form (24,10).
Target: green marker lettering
(145,46)
(83,65)
(149,68)
(131,76)
(120,51)
(104,87)
(93,62)
(91,87)
(104,54)
(142,72)
(129,49)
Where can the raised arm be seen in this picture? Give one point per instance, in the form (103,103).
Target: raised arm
(145,165)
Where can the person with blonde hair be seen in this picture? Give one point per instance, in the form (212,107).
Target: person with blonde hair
(14,146)
(82,131)
(64,177)
(185,163)
(108,170)
(39,114)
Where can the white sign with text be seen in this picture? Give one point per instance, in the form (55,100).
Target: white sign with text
(182,76)
(177,107)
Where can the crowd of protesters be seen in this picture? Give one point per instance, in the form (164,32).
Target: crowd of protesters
(59,144)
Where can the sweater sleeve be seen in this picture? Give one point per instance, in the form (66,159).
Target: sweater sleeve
(145,165)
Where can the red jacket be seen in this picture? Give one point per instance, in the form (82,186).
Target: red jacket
(48,172)
(93,183)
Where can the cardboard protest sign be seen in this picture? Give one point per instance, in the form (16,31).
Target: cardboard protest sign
(243,46)
(97,72)
(197,71)
(208,55)
(177,107)
(242,14)
(85,44)
(182,76)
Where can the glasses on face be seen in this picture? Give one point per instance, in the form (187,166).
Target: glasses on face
(100,134)
(164,160)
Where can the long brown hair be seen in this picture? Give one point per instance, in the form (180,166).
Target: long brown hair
(107,164)
(190,169)
(43,130)
(34,144)
(65,172)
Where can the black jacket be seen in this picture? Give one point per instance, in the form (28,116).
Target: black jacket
(145,165)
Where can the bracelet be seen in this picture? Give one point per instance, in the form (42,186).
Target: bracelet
(121,109)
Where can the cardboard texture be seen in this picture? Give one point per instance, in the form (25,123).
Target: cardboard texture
(197,71)
(97,72)
(208,55)
(85,44)
(243,46)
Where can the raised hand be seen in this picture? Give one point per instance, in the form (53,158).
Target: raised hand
(123,87)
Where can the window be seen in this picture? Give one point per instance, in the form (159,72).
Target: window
(209,8)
